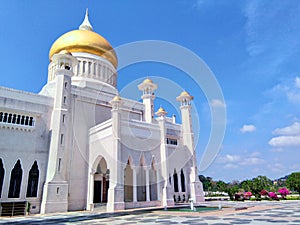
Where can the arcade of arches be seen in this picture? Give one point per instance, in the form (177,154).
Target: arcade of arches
(140,182)
(15,182)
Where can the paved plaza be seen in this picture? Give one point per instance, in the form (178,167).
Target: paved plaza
(259,213)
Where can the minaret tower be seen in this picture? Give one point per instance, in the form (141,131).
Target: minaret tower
(55,194)
(167,198)
(196,187)
(148,88)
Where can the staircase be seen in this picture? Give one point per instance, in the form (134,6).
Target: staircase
(13,208)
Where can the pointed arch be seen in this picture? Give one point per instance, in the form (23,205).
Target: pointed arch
(141,179)
(102,166)
(153,181)
(182,178)
(142,160)
(2,173)
(33,180)
(175,179)
(128,181)
(15,181)
(100,180)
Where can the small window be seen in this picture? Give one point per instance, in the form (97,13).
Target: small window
(65,99)
(66,85)
(63,118)
(67,67)
(59,162)
(61,138)
(171,141)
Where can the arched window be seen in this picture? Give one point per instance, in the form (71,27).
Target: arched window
(5,118)
(182,181)
(15,181)
(2,172)
(175,178)
(33,180)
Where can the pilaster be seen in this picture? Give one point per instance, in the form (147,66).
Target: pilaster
(116,181)
(166,194)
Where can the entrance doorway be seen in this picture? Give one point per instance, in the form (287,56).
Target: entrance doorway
(101,182)
(97,191)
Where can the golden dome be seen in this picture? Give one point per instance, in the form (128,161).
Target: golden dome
(85,40)
(117,98)
(161,110)
(186,94)
(65,52)
(147,81)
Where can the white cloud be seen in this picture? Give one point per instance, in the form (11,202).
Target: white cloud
(294,129)
(276,167)
(251,161)
(275,150)
(230,166)
(234,161)
(285,141)
(229,158)
(217,103)
(255,154)
(288,136)
(248,128)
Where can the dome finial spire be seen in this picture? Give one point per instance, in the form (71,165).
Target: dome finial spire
(86,25)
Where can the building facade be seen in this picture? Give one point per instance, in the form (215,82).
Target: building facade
(77,144)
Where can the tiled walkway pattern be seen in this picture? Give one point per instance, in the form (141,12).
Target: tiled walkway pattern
(258,213)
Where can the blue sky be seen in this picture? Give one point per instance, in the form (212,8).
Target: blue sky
(252,47)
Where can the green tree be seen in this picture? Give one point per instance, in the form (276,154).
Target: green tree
(246,185)
(207,183)
(231,189)
(221,186)
(293,182)
(260,183)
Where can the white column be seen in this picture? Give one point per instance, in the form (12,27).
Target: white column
(81,68)
(87,71)
(134,184)
(90,193)
(92,72)
(96,70)
(179,182)
(147,186)
(158,184)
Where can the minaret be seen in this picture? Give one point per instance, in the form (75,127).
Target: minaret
(167,198)
(148,88)
(196,187)
(116,176)
(55,194)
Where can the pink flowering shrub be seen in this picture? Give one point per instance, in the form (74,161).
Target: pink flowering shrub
(283,192)
(273,196)
(247,195)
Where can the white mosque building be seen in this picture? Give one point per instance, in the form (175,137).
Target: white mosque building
(77,144)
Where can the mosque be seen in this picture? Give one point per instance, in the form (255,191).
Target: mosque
(79,145)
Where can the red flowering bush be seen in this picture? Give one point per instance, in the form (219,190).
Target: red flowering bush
(283,192)
(264,193)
